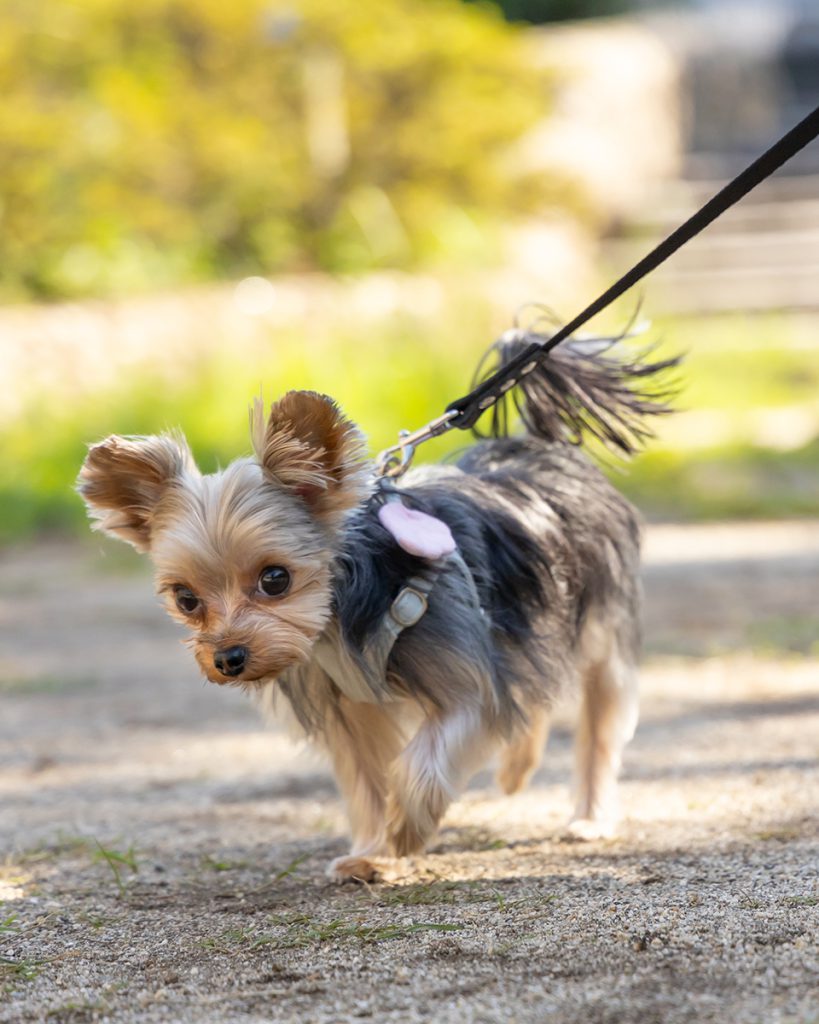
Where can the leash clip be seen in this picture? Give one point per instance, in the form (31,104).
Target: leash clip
(393,462)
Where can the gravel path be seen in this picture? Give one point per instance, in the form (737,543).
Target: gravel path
(162,853)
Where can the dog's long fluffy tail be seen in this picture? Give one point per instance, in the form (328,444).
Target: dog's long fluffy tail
(582,388)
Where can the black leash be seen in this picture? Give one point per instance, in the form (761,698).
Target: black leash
(464,412)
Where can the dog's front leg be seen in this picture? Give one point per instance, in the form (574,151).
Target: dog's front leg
(522,754)
(429,774)
(362,741)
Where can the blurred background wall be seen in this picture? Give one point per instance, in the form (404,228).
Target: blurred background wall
(200,200)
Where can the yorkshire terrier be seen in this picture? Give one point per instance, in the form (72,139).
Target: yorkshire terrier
(411,630)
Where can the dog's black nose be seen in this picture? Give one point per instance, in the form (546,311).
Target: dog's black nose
(232,661)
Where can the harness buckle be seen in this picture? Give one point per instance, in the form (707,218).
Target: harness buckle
(409,606)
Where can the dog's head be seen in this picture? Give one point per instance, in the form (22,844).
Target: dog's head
(242,556)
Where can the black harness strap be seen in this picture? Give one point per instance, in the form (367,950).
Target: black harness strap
(464,412)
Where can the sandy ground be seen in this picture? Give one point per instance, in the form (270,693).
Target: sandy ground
(162,852)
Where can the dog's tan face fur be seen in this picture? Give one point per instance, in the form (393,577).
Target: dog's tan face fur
(213,538)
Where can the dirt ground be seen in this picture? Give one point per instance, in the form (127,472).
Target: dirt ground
(162,851)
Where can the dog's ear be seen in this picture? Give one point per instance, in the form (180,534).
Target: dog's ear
(310,447)
(123,479)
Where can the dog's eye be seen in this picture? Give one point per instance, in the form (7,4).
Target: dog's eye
(274,580)
(186,600)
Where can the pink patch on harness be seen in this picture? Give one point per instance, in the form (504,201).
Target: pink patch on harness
(416,532)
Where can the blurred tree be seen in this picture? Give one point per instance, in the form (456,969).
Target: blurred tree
(177,140)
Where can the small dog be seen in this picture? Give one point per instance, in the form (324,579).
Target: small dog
(411,661)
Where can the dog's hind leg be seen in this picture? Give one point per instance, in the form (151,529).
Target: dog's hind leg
(608,718)
(362,741)
(429,774)
(521,755)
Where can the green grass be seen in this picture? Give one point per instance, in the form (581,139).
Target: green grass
(401,371)
(385,380)
(736,362)
(726,481)
(26,969)
(429,894)
(117,861)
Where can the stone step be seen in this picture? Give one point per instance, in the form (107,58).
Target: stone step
(775,250)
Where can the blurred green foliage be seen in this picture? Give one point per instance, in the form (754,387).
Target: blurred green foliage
(168,141)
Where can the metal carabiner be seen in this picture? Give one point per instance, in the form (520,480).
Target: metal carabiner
(395,461)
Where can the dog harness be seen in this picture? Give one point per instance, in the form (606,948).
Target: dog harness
(363,676)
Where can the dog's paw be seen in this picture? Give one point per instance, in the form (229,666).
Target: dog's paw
(584,830)
(352,869)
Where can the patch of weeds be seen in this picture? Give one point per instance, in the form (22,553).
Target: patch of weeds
(751,904)
(20,970)
(95,921)
(291,867)
(302,931)
(399,931)
(314,932)
(9,925)
(429,894)
(802,901)
(116,861)
(232,940)
(64,843)
(211,864)
(289,920)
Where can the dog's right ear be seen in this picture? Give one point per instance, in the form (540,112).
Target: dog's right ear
(123,479)
(308,446)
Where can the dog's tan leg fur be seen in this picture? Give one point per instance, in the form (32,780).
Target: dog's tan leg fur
(608,717)
(521,756)
(429,774)
(362,742)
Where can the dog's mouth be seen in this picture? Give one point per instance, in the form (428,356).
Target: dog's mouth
(244,662)
(252,676)
(244,682)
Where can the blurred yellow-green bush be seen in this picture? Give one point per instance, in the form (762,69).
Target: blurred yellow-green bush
(169,141)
